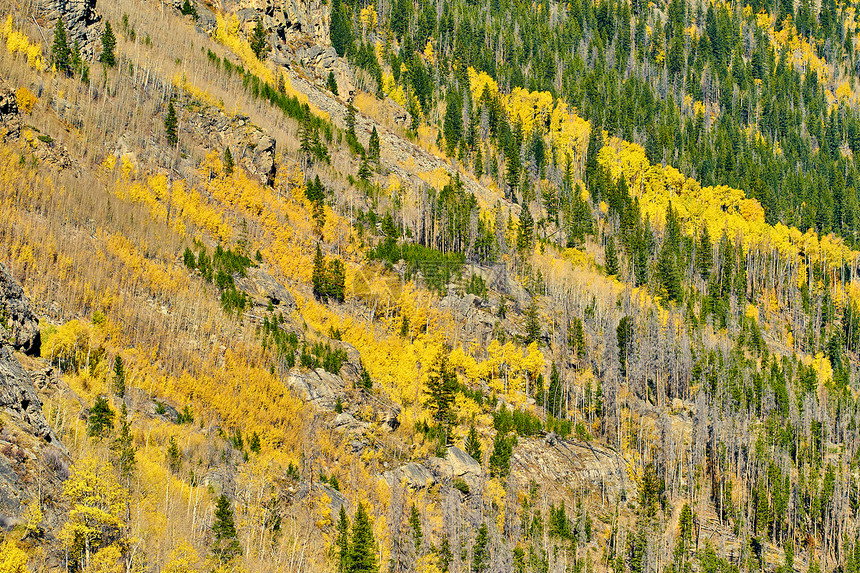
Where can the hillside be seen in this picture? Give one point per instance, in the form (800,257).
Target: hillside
(307,286)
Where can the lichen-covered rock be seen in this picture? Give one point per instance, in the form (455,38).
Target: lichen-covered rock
(10,118)
(286,19)
(81,20)
(413,475)
(16,316)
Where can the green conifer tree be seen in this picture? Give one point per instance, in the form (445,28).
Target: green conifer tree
(119,376)
(123,447)
(441,386)
(342,542)
(362,546)
(340,30)
(100,418)
(171,125)
(108,57)
(226,543)
(174,455)
(61,54)
(473,444)
(611,256)
(319,279)
(532,325)
(260,41)
(229,164)
(481,551)
(331,83)
(373,146)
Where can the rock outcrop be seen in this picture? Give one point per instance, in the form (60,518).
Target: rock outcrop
(16,317)
(10,119)
(80,20)
(28,445)
(263,288)
(286,20)
(251,148)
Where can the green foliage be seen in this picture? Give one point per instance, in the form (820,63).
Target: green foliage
(171,125)
(100,418)
(118,376)
(481,551)
(611,257)
(340,28)
(123,449)
(188,9)
(477,286)
(108,57)
(472,444)
(523,423)
(226,543)
(440,390)
(624,334)
(362,556)
(532,323)
(259,41)
(229,164)
(61,55)
(328,278)
(331,83)
(437,269)
(500,459)
(174,455)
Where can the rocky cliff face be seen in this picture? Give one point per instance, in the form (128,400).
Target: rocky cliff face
(285,19)
(16,318)
(33,461)
(80,19)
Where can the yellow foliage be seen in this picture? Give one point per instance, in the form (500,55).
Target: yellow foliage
(97,504)
(18,43)
(368,17)
(13,559)
(26,100)
(183,559)
(107,560)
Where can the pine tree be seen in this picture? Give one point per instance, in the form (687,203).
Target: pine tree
(555,395)
(331,83)
(260,41)
(576,337)
(339,28)
(473,444)
(123,447)
(446,556)
(532,325)
(342,542)
(480,551)
(350,118)
(174,455)
(479,162)
(362,547)
(188,9)
(229,165)
(525,232)
(100,418)
(364,171)
(415,524)
(500,459)
(118,377)
(319,278)
(704,254)
(441,386)
(108,57)
(667,272)
(60,52)
(624,333)
(226,544)
(373,146)
(171,125)
(336,280)
(611,256)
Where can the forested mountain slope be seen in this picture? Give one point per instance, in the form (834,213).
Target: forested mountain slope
(422,286)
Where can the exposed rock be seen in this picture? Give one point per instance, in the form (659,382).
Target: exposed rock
(264,288)
(80,20)
(10,119)
(18,397)
(16,315)
(412,474)
(457,464)
(285,19)
(573,465)
(317,386)
(251,147)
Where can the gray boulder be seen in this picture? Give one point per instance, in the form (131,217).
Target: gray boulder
(414,476)
(17,317)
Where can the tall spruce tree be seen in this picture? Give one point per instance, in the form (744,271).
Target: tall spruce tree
(61,54)
(226,543)
(481,551)
(171,125)
(339,28)
(319,280)
(611,257)
(342,541)
(108,57)
(441,386)
(260,41)
(362,547)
